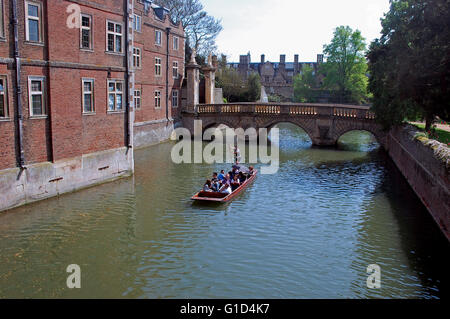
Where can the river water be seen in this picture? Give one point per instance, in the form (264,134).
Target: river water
(309,231)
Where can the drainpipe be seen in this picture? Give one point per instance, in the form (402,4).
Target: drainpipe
(19,118)
(167,74)
(129,123)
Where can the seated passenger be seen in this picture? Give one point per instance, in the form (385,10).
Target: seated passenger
(226,188)
(222,175)
(242,177)
(207,187)
(215,182)
(235,183)
(251,171)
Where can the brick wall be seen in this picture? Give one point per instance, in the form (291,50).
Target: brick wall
(146,79)
(66,132)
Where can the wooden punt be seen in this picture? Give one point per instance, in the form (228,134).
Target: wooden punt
(222,197)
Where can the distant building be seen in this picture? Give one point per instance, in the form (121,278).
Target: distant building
(276,77)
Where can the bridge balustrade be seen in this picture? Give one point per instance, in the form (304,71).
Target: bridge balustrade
(333,110)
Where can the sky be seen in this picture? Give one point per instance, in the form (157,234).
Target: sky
(274,27)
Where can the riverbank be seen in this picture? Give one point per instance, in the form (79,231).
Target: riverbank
(425,164)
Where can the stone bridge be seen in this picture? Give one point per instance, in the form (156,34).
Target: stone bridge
(324,123)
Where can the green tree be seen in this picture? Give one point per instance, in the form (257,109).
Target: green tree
(304,83)
(234,88)
(252,91)
(231,83)
(345,68)
(410,63)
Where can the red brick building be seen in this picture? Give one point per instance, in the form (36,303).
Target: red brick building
(158,61)
(66,116)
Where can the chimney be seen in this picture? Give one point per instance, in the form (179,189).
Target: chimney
(319,58)
(296,65)
(263,58)
(282,59)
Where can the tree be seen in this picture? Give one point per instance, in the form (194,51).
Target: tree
(410,63)
(231,83)
(234,88)
(253,88)
(304,84)
(345,68)
(201,29)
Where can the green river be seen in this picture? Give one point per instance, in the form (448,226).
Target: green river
(309,231)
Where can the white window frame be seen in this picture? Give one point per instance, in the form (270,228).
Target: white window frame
(175,69)
(4,96)
(137,27)
(115,93)
(176,43)
(158,37)
(115,34)
(137,57)
(157,99)
(175,97)
(158,66)
(90,28)
(136,98)
(2,22)
(42,93)
(83,92)
(38,18)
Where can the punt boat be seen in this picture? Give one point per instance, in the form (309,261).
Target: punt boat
(223,197)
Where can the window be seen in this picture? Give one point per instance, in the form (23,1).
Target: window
(88,95)
(33,19)
(175,98)
(137,23)
(137,99)
(175,70)
(2,25)
(114,37)
(115,95)
(36,96)
(86,32)
(136,57)
(158,37)
(157,66)
(175,43)
(157,99)
(3,98)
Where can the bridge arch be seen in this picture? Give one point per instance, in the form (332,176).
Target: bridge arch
(343,128)
(304,126)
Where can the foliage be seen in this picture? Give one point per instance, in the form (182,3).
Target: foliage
(201,29)
(274,98)
(435,133)
(253,88)
(235,89)
(410,63)
(346,68)
(304,84)
(231,83)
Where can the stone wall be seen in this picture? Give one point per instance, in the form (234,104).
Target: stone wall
(153,132)
(43,180)
(425,169)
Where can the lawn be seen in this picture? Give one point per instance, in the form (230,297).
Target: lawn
(436,134)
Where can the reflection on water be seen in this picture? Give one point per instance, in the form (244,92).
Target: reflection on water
(309,231)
